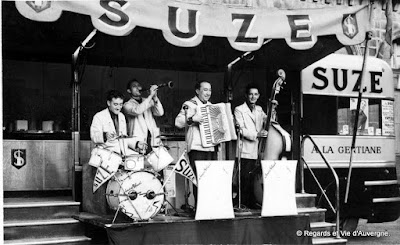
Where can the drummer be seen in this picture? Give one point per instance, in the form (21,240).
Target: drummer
(109,125)
(140,112)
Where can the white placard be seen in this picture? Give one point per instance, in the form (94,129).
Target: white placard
(214,198)
(279,196)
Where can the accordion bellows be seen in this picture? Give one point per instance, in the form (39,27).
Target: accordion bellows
(217,124)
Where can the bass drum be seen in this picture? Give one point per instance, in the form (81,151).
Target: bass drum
(139,195)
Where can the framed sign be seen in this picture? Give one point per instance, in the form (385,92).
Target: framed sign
(18,158)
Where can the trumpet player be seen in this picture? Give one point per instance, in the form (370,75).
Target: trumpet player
(249,118)
(140,112)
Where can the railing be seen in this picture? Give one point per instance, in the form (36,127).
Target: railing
(335,210)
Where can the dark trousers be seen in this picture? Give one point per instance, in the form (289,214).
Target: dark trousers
(200,155)
(247,177)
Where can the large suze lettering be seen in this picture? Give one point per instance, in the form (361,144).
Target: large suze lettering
(173,13)
(241,37)
(300,26)
(116,16)
(107,5)
(341,84)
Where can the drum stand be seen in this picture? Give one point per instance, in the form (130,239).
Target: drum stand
(239,210)
(186,207)
(116,214)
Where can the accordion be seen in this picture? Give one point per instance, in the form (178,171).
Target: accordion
(217,124)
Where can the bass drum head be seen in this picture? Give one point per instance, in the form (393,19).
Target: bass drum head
(138,194)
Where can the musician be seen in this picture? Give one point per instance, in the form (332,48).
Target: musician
(190,117)
(249,118)
(140,114)
(110,124)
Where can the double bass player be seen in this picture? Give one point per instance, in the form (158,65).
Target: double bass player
(249,118)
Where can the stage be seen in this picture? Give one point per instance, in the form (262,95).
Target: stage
(169,229)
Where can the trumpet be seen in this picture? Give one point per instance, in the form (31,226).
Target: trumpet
(169,84)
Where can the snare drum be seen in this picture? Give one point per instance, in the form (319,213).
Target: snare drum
(134,162)
(159,158)
(139,195)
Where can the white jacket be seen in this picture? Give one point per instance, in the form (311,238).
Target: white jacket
(193,138)
(250,124)
(140,119)
(102,123)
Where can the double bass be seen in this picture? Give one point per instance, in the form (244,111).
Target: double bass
(276,143)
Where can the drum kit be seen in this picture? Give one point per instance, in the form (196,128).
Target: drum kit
(135,188)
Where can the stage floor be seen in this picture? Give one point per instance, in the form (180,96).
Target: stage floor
(169,229)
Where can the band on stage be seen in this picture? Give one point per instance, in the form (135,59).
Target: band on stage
(129,148)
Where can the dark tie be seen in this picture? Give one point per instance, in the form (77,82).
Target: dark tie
(116,124)
(148,142)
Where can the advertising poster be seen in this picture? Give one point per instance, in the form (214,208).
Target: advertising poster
(387,117)
(363,116)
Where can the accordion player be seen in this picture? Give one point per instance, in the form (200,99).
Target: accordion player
(217,124)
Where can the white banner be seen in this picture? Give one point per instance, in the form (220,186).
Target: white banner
(244,23)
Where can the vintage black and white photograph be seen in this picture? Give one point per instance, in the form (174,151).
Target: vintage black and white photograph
(200,122)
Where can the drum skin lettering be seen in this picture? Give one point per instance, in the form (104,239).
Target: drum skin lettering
(129,191)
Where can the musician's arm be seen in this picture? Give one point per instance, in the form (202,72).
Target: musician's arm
(264,115)
(245,132)
(134,109)
(157,108)
(96,131)
(182,120)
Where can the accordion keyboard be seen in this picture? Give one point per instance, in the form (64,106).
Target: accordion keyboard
(216,125)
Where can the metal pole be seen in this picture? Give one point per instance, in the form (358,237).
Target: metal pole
(187,187)
(357,114)
(239,150)
(75,123)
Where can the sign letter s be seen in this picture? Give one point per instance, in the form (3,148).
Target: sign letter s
(124,18)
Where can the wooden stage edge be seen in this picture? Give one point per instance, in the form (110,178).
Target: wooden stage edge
(169,229)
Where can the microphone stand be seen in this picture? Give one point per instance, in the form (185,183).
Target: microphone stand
(186,207)
(239,210)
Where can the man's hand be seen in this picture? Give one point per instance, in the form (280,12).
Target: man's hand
(111,136)
(197,118)
(153,91)
(141,147)
(262,134)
